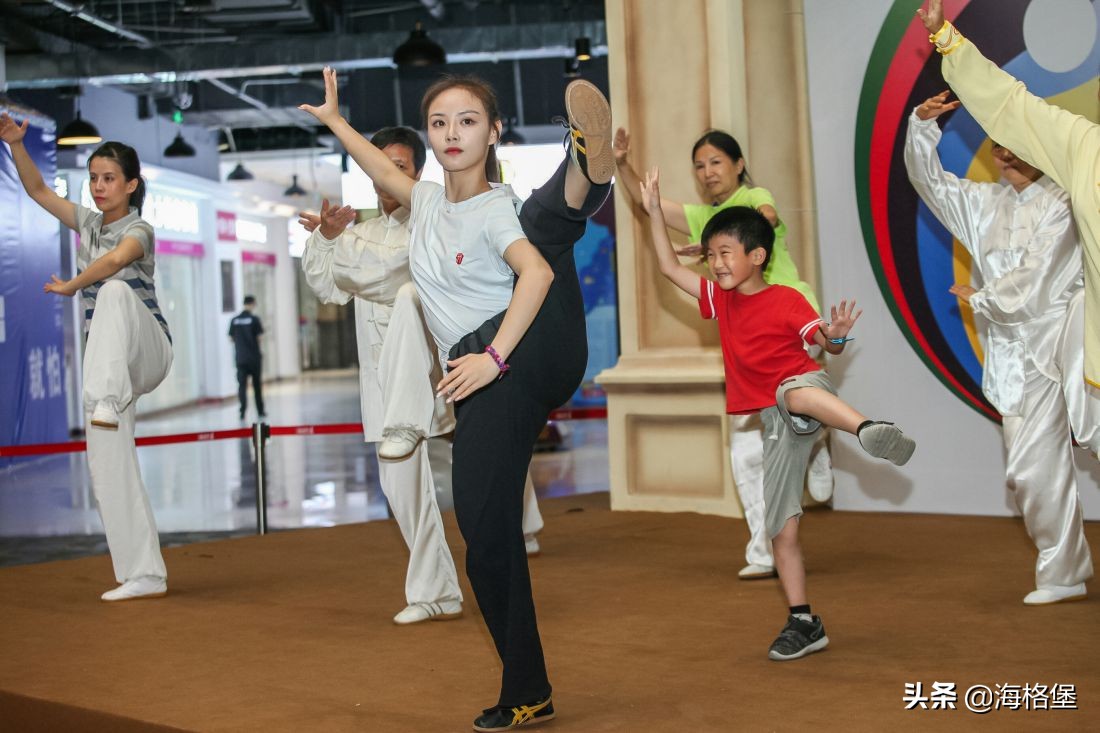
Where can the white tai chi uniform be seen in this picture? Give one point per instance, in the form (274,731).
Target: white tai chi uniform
(398,371)
(128,353)
(1026,254)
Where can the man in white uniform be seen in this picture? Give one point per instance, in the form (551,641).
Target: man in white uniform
(1026,252)
(398,372)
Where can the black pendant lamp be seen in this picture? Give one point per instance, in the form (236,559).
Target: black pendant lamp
(179,148)
(294,189)
(79,132)
(582,49)
(240,173)
(419,50)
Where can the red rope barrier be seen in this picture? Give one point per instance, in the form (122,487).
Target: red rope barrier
(78,446)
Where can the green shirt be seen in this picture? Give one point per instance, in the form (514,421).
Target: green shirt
(781,269)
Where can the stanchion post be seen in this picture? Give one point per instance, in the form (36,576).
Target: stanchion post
(261,431)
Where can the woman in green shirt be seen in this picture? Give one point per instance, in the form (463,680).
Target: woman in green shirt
(720,169)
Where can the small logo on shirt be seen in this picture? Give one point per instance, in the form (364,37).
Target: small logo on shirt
(458,258)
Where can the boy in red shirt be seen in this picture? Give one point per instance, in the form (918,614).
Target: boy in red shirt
(763,329)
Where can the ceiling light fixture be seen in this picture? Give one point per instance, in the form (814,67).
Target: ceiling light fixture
(179,148)
(419,50)
(294,189)
(582,48)
(79,131)
(240,173)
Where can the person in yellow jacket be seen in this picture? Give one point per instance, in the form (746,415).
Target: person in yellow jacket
(1063,145)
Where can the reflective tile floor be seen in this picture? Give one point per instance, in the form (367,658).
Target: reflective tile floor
(199,490)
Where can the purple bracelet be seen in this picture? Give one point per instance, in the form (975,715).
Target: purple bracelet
(501,364)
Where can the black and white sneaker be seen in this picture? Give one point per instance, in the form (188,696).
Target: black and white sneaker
(503,718)
(798,638)
(885,440)
(589,140)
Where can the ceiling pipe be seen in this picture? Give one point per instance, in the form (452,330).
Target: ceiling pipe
(249,99)
(297,55)
(98,22)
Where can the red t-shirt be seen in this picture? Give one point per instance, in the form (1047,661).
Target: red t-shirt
(762,337)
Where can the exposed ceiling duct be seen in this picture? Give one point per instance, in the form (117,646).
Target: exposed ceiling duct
(296,54)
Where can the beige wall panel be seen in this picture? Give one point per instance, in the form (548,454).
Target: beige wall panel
(676,455)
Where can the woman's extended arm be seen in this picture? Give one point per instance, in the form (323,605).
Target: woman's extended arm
(128,250)
(31,177)
(373,161)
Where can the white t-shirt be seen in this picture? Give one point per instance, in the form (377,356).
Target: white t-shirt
(456,255)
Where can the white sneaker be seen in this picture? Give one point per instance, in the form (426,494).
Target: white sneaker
(1055,594)
(752,571)
(144,587)
(819,479)
(104,416)
(532,544)
(414,613)
(398,443)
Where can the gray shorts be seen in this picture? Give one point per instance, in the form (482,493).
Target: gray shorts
(788,441)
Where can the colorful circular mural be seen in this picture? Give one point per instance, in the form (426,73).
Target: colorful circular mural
(914,258)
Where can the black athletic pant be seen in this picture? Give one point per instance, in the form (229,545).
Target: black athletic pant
(495,434)
(244,371)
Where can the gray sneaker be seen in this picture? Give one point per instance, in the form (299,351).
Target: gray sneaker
(798,638)
(885,440)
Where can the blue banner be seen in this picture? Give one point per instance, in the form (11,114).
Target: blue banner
(32,370)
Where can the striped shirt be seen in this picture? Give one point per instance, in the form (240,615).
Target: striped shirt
(97,240)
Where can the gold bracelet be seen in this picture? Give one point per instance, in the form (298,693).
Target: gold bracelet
(933,37)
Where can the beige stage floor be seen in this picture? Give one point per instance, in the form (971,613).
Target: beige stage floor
(645,625)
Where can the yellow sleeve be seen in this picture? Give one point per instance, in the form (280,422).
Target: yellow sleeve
(1055,141)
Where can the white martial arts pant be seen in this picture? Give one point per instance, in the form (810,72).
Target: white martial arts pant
(408,373)
(127,355)
(747,463)
(1041,475)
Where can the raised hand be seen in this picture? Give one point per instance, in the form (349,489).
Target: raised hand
(933,107)
(11,132)
(329,111)
(309,221)
(651,191)
(335,220)
(843,318)
(933,17)
(620,146)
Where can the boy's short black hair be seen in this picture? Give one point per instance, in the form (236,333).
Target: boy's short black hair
(249,300)
(402,136)
(748,226)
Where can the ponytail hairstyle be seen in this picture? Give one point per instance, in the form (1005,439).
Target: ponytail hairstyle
(127,159)
(488,98)
(728,145)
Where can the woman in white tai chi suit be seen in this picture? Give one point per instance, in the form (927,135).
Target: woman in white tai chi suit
(128,351)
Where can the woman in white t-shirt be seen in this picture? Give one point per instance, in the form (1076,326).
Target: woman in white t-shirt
(502,300)
(128,350)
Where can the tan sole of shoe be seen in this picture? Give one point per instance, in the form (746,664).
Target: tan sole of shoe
(107,425)
(146,597)
(589,112)
(758,576)
(1067,599)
